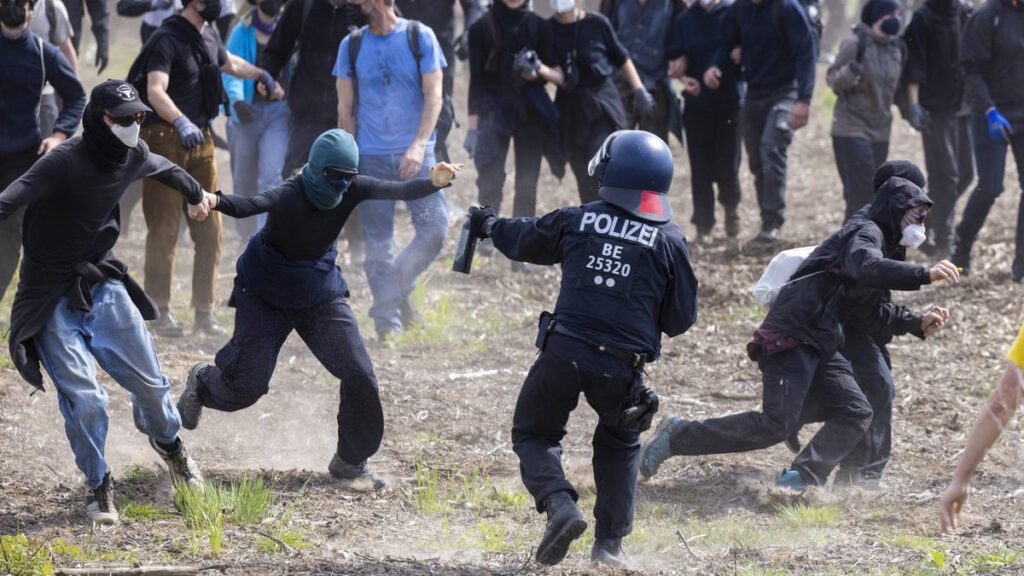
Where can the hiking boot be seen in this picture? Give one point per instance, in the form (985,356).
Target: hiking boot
(766,238)
(791,479)
(732,221)
(181,466)
(657,448)
(793,442)
(207,324)
(565,524)
(189,407)
(355,477)
(99,503)
(608,551)
(410,316)
(166,326)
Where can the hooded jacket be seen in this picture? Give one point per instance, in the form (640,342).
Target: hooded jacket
(864,105)
(933,54)
(854,267)
(993,59)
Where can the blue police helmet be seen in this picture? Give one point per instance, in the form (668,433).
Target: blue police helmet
(635,169)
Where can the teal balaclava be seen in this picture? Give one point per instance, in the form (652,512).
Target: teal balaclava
(333,149)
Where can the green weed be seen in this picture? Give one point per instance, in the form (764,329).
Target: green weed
(492,537)
(427,493)
(804,516)
(141,512)
(60,550)
(436,492)
(203,513)
(294,539)
(20,557)
(911,542)
(992,561)
(250,500)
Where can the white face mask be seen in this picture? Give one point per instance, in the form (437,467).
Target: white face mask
(560,6)
(913,235)
(128,135)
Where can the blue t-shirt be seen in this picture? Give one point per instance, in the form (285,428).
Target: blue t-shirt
(390,87)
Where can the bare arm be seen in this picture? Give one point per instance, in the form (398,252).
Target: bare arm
(67,48)
(239,68)
(156,89)
(631,75)
(412,161)
(346,117)
(995,415)
(552,74)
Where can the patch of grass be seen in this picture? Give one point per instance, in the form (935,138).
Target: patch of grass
(992,561)
(203,513)
(437,492)
(20,557)
(294,539)
(139,473)
(427,494)
(804,516)
(141,512)
(428,438)
(911,542)
(250,500)
(64,551)
(493,537)
(441,320)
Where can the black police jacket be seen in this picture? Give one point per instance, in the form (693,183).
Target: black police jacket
(848,276)
(624,280)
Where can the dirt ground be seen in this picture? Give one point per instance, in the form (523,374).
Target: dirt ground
(456,505)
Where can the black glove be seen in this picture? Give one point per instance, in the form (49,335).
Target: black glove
(643,103)
(470,142)
(526,64)
(918,118)
(243,112)
(102,49)
(481,220)
(855,68)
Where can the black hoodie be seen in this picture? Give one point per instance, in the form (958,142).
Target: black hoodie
(993,59)
(933,54)
(851,269)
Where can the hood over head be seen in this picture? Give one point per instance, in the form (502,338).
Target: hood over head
(892,201)
(901,169)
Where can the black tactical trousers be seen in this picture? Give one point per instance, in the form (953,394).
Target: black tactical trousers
(713,144)
(788,379)
(12,167)
(551,391)
(873,372)
(528,136)
(949,160)
(244,366)
(767,137)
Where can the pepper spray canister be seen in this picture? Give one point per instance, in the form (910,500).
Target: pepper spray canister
(465,250)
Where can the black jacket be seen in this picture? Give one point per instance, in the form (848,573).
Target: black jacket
(993,59)
(849,271)
(933,54)
(312,92)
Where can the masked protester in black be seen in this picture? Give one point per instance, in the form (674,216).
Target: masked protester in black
(797,345)
(626,278)
(937,109)
(511,58)
(288,281)
(588,102)
(439,16)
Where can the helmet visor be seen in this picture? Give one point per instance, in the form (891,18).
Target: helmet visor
(602,156)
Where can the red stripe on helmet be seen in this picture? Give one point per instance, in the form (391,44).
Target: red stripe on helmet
(650,203)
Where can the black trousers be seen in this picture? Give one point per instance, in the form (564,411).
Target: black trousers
(243,367)
(788,379)
(713,145)
(579,156)
(528,138)
(12,167)
(565,368)
(949,159)
(767,138)
(873,371)
(857,159)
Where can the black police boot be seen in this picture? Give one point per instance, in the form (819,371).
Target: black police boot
(608,551)
(565,524)
(207,324)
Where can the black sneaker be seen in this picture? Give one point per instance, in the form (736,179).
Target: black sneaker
(207,324)
(180,465)
(99,503)
(608,551)
(355,477)
(565,524)
(793,442)
(166,326)
(189,407)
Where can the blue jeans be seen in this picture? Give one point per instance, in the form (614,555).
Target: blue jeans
(115,335)
(257,155)
(391,279)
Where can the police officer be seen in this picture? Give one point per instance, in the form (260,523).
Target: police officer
(626,278)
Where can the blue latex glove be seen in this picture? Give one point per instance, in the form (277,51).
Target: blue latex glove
(999,128)
(268,81)
(189,134)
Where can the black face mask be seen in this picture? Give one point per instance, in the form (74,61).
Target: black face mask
(212,10)
(271,7)
(13,15)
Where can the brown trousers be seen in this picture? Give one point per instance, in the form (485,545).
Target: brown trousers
(164,208)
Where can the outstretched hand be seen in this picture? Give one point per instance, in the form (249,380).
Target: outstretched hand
(945,271)
(442,173)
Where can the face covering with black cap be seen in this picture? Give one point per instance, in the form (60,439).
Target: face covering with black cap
(333,149)
(105,149)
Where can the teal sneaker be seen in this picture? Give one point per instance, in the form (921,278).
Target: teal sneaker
(791,479)
(657,448)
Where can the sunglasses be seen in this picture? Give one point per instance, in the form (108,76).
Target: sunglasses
(338,177)
(126,121)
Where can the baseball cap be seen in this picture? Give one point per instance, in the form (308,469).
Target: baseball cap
(118,98)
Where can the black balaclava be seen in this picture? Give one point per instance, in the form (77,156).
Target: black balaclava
(105,150)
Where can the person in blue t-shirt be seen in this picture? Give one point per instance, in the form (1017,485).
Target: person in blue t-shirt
(389,77)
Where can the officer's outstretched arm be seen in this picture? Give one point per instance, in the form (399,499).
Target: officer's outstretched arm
(533,240)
